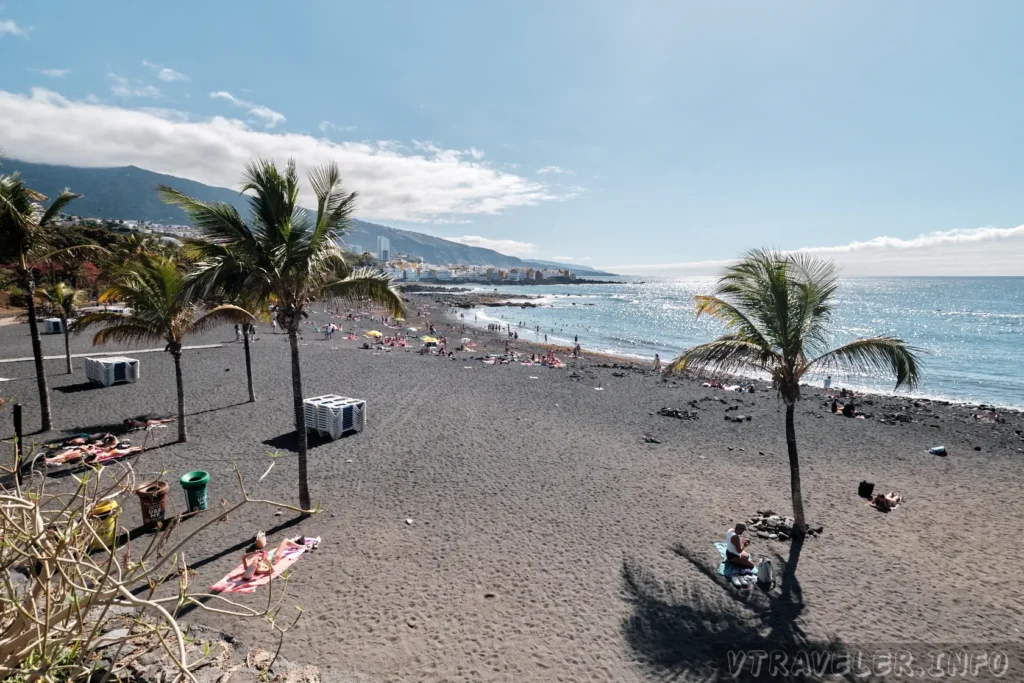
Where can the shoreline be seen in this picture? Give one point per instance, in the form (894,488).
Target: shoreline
(641,362)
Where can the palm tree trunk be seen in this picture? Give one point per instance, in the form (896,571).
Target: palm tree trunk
(794,472)
(28,285)
(248,370)
(300,419)
(182,431)
(67,344)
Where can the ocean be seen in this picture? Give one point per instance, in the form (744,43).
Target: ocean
(970,329)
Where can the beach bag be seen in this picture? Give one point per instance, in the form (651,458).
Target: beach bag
(865,489)
(765,574)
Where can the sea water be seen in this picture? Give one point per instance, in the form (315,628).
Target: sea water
(970,330)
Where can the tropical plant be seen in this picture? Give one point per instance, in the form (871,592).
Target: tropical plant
(777,309)
(285,256)
(63,301)
(27,233)
(59,596)
(160,307)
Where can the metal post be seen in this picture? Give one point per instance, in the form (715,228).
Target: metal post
(17,443)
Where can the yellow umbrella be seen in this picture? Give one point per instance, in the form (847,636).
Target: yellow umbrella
(428,340)
(399,320)
(374,333)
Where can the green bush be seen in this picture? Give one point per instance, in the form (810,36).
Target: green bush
(17,297)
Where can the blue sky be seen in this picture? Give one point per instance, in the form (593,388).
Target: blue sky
(612,133)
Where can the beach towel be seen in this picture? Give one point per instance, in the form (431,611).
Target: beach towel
(234,583)
(727,570)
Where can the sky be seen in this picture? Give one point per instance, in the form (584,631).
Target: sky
(650,137)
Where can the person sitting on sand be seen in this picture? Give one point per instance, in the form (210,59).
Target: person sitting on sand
(886,502)
(835,405)
(263,561)
(715,384)
(735,553)
(133,424)
(849,410)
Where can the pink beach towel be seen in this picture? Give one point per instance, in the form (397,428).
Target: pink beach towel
(234,583)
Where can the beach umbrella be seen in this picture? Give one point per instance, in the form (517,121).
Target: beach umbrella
(428,340)
(374,333)
(410,329)
(399,320)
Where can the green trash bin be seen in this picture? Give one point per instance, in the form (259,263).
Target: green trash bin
(196,486)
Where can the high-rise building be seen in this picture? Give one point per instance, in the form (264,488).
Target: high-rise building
(383,249)
(355,249)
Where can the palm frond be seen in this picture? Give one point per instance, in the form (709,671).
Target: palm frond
(54,210)
(126,333)
(220,223)
(368,283)
(887,355)
(813,282)
(97,318)
(725,356)
(735,319)
(225,313)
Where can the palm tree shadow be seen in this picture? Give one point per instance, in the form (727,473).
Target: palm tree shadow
(289,441)
(79,387)
(696,631)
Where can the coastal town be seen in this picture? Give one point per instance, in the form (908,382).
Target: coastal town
(399,267)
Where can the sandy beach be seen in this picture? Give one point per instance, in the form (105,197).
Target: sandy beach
(560,532)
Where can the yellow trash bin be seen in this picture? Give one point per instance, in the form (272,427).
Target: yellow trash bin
(105,514)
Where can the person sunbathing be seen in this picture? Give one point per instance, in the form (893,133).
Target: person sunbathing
(886,502)
(133,424)
(263,561)
(735,545)
(104,439)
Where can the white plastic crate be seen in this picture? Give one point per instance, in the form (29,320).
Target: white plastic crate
(53,326)
(333,415)
(109,370)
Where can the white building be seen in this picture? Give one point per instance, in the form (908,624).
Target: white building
(411,275)
(443,275)
(393,273)
(355,248)
(516,275)
(383,249)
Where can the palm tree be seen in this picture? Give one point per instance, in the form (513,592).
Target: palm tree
(161,308)
(777,308)
(26,236)
(63,301)
(286,256)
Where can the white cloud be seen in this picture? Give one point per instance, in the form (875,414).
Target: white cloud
(326,126)
(555,169)
(394,183)
(270,117)
(976,251)
(165,73)
(9,27)
(166,114)
(55,73)
(508,247)
(125,88)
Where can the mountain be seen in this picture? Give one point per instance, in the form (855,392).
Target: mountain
(127,193)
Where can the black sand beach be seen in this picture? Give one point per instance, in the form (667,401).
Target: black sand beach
(549,540)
